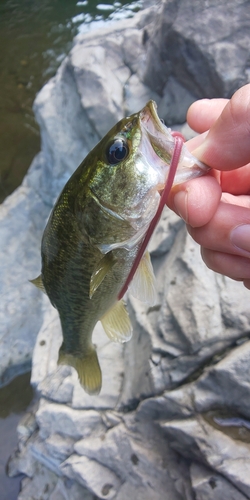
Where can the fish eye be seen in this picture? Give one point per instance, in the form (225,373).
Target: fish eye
(117,151)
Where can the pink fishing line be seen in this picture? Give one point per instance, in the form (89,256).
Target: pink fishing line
(178,139)
(175,133)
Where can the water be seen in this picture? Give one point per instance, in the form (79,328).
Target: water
(35,36)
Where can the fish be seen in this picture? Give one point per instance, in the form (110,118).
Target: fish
(95,230)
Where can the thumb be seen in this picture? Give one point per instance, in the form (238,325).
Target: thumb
(227,144)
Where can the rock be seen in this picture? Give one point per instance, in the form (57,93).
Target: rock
(175,102)
(41,487)
(226,383)
(20,308)
(203,420)
(206,483)
(192,43)
(48,343)
(59,447)
(132,453)
(59,419)
(69,490)
(137,94)
(47,486)
(27,426)
(98,479)
(164,233)
(196,439)
(222,384)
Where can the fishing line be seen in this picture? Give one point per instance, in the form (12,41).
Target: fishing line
(178,143)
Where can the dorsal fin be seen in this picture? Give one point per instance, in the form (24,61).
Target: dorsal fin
(38,282)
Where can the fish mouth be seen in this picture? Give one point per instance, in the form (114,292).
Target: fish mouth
(159,135)
(158,144)
(150,119)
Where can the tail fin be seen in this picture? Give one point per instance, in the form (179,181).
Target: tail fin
(87,367)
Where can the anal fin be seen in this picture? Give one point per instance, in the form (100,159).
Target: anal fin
(87,367)
(116,323)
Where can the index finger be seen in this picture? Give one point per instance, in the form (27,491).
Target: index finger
(227,144)
(203,113)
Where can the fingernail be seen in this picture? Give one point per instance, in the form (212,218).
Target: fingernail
(180,204)
(240,237)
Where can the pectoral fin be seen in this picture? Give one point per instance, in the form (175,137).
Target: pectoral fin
(99,273)
(87,367)
(38,282)
(116,323)
(143,285)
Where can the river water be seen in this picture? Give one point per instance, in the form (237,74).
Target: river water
(35,36)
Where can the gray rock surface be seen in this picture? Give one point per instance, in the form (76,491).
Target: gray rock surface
(173,417)
(208,484)
(203,45)
(20,305)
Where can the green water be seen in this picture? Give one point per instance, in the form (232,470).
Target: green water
(35,36)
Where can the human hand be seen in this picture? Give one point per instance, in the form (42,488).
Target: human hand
(216,207)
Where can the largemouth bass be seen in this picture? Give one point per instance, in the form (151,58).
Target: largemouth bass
(95,230)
